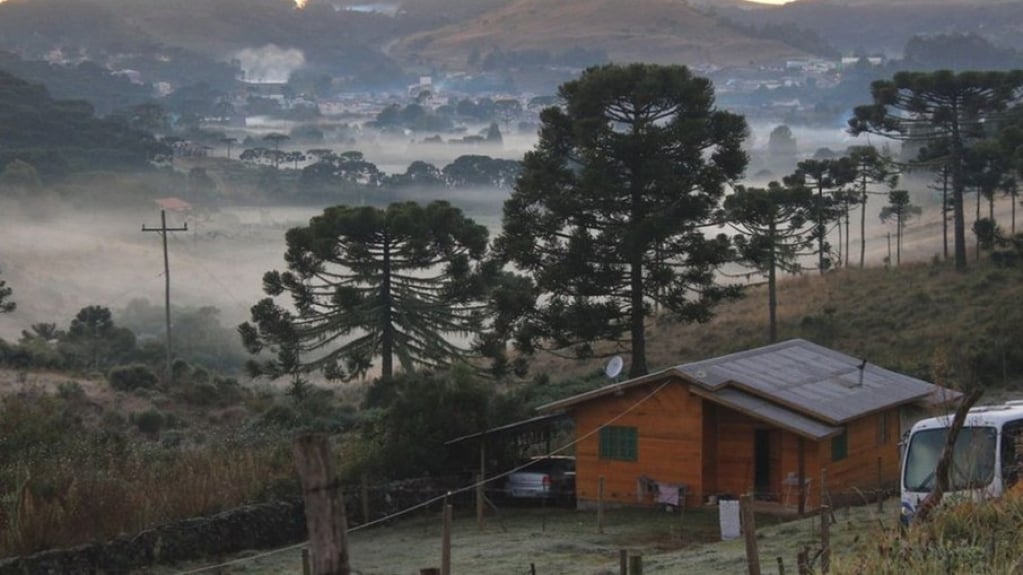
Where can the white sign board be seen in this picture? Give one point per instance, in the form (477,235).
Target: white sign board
(729,512)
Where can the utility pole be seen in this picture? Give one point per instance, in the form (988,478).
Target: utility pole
(163,229)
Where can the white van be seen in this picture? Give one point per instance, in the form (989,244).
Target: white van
(987,460)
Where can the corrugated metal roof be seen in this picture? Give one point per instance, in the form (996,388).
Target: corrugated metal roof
(809,378)
(798,377)
(764,410)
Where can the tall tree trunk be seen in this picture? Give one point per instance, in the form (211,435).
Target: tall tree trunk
(863,220)
(387,333)
(958,186)
(820,226)
(976,218)
(840,254)
(1012,201)
(899,226)
(944,209)
(772,287)
(848,254)
(637,327)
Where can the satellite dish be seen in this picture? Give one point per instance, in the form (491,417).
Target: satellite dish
(614,367)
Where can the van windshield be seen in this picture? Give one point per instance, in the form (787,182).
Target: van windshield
(973,461)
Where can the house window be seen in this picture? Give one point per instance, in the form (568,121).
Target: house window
(840,446)
(618,443)
(882,429)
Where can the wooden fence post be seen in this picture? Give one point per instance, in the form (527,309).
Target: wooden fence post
(880,487)
(479,501)
(749,531)
(623,562)
(825,540)
(445,553)
(600,504)
(306,568)
(781,565)
(365,499)
(324,505)
(802,562)
(681,513)
(636,565)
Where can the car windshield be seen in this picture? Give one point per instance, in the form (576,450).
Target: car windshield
(551,465)
(973,461)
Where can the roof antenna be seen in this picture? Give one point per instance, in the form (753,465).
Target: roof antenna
(862,365)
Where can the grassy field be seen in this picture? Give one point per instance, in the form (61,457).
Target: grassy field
(560,541)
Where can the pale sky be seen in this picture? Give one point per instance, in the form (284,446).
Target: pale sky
(771,1)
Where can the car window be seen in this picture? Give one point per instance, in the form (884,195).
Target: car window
(551,466)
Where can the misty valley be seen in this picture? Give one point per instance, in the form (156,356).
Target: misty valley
(274,271)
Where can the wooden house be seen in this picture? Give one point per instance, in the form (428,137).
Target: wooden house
(775,421)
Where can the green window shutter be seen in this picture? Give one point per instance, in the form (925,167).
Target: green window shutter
(840,446)
(619,443)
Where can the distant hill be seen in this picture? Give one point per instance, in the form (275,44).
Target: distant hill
(886,25)
(57,137)
(658,31)
(184,41)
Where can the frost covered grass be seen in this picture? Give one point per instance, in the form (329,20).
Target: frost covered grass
(560,541)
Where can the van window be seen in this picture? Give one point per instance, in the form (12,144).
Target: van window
(973,460)
(1012,452)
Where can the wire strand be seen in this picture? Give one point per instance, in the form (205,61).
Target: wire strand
(433,500)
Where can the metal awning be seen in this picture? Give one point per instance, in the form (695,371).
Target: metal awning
(768,412)
(525,423)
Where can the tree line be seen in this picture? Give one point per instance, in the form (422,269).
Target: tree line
(616,215)
(610,221)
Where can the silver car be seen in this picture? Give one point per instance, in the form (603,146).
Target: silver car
(548,478)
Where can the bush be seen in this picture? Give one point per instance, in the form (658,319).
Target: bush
(131,377)
(70,390)
(149,422)
(201,394)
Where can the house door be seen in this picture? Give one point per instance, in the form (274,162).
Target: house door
(762,463)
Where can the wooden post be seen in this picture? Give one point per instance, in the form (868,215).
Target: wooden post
(824,489)
(636,565)
(781,565)
(803,562)
(825,540)
(365,499)
(880,487)
(429,571)
(305,561)
(623,562)
(681,512)
(749,531)
(480,495)
(802,476)
(600,504)
(324,505)
(479,501)
(445,552)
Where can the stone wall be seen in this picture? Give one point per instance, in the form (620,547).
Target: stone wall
(262,526)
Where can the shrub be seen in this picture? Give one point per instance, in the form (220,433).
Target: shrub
(149,422)
(70,390)
(201,394)
(131,377)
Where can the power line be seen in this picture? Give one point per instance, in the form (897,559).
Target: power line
(433,500)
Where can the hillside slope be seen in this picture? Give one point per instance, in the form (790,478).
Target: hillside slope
(658,31)
(924,319)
